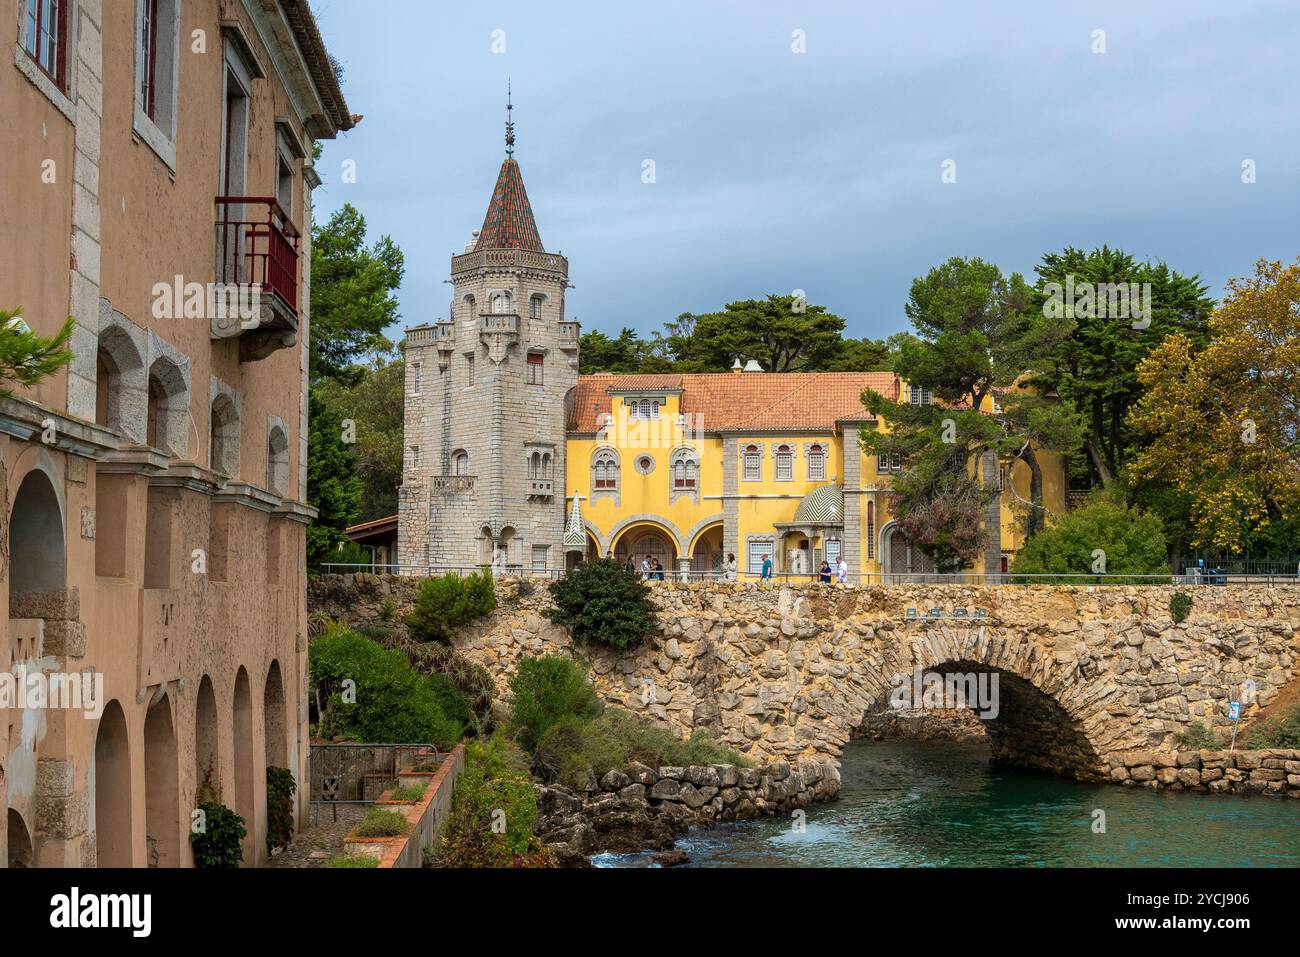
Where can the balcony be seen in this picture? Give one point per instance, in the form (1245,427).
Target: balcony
(550,264)
(569,334)
(541,488)
(451,484)
(257,248)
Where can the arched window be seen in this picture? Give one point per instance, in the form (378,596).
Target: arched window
(685,471)
(535,465)
(460,462)
(535,307)
(470,303)
(501,303)
(871,530)
(224,437)
(784,463)
(753,464)
(604,470)
(816,464)
(546,466)
(277,460)
(167,423)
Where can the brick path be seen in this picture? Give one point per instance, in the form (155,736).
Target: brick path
(316,844)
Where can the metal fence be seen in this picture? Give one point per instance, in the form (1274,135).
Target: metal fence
(359,773)
(1254,573)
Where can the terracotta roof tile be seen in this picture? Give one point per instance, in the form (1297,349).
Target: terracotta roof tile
(509,222)
(727,401)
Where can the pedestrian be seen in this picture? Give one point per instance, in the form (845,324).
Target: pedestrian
(767,569)
(647,568)
(631,565)
(730,569)
(842,571)
(824,573)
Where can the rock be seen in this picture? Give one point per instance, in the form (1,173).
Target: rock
(615,781)
(675,773)
(674,858)
(633,792)
(692,798)
(641,774)
(702,776)
(666,789)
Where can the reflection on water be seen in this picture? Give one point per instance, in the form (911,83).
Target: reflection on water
(938,804)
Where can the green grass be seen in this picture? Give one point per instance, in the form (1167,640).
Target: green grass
(381,823)
(352,860)
(618,738)
(409,794)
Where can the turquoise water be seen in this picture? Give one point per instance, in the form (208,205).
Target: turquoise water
(939,804)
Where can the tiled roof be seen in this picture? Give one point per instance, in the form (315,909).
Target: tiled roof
(509,223)
(729,401)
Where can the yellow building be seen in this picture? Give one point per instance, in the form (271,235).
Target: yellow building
(688,469)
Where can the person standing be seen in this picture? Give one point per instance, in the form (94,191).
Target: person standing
(842,571)
(767,569)
(729,571)
(824,573)
(631,565)
(647,568)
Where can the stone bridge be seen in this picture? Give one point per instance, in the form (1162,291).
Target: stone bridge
(1084,672)
(793,672)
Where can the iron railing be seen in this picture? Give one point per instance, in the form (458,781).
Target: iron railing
(978,579)
(257,243)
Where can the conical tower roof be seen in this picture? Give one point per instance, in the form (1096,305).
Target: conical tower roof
(509,223)
(575,533)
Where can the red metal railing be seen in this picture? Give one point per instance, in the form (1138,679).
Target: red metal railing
(257,243)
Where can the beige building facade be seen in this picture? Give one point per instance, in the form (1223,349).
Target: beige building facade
(156,186)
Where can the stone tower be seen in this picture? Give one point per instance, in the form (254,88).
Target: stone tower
(485,401)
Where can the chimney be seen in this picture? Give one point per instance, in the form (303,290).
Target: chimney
(753,366)
(736,366)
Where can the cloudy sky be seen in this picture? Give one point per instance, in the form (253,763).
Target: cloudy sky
(821,170)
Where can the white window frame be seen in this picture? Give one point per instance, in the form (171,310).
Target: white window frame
(159,131)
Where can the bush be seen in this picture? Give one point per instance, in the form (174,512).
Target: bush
(219,838)
(1180,606)
(411,794)
(444,604)
(353,860)
(393,702)
(601,602)
(473,680)
(573,746)
(1281,732)
(380,822)
(544,690)
(493,812)
(1197,737)
(1133,542)
(280,788)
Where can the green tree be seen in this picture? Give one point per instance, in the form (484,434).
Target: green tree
(26,358)
(977,337)
(333,488)
(1095,366)
(597,352)
(1104,536)
(372,395)
(861,355)
(446,603)
(601,602)
(782,335)
(544,690)
(352,291)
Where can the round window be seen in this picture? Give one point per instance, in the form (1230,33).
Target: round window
(645,464)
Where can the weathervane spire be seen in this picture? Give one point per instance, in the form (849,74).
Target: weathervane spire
(510,123)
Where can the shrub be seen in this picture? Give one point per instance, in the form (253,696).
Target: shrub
(493,812)
(1281,732)
(1180,606)
(353,860)
(473,680)
(601,602)
(1133,542)
(393,702)
(573,746)
(280,788)
(1197,737)
(387,610)
(544,690)
(445,604)
(410,794)
(217,837)
(380,822)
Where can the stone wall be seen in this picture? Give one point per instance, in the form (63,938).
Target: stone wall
(641,807)
(1275,771)
(783,673)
